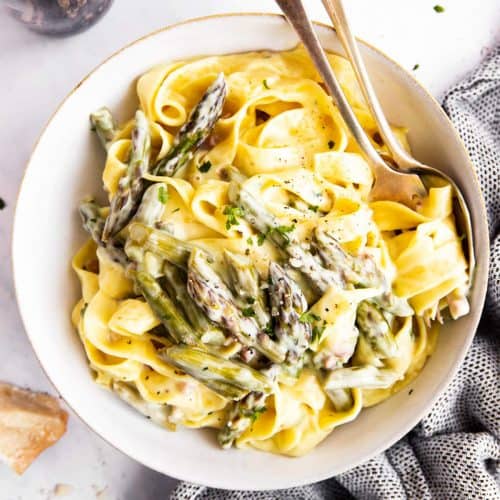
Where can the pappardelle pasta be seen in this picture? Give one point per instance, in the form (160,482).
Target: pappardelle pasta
(241,278)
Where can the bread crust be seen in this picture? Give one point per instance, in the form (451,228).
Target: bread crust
(30,422)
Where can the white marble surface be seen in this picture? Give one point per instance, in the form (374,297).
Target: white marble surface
(37,72)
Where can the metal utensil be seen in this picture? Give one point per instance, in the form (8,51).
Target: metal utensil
(389,184)
(400,156)
(405,185)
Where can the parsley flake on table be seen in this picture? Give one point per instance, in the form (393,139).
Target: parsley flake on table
(438,8)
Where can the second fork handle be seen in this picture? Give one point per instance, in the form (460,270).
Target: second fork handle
(297,17)
(336,11)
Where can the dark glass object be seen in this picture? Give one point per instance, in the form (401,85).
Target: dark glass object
(58,17)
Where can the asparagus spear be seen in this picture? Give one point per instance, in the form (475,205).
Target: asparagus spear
(364,377)
(207,367)
(299,255)
(162,243)
(212,295)
(93,223)
(92,220)
(240,417)
(104,125)
(372,323)
(288,304)
(176,281)
(167,312)
(131,185)
(152,205)
(197,128)
(360,271)
(341,398)
(245,283)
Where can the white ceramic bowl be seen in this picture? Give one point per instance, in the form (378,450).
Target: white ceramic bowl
(65,166)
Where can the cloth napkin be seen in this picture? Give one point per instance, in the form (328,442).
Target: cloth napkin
(454,452)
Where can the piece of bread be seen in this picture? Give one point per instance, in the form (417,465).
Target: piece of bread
(30,422)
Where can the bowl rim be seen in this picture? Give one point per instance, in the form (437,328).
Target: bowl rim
(437,107)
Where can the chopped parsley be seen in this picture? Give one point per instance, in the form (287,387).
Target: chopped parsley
(248,312)
(283,230)
(416,67)
(162,195)
(250,300)
(232,216)
(175,210)
(205,166)
(249,240)
(314,208)
(269,328)
(317,332)
(264,82)
(308,317)
(254,413)
(331,144)
(438,8)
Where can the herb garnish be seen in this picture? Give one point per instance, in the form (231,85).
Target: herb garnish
(308,317)
(162,195)
(250,300)
(254,413)
(232,216)
(248,312)
(205,166)
(264,82)
(314,208)
(416,67)
(283,230)
(438,8)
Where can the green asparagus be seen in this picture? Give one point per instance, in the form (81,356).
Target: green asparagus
(207,367)
(359,271)
(93,223)
(162,243)
(288,305)
(363,377)
(244,280)
(176,281)
(240,417)
(372,323)
(131,185)
(151,208)
(197,128)
(104,125)
(212,295)
(164,308)
(299,255)
(92,220)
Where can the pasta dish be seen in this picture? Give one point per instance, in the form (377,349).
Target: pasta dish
(241,277)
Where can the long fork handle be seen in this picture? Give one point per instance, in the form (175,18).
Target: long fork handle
(336,11)
(297,17)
